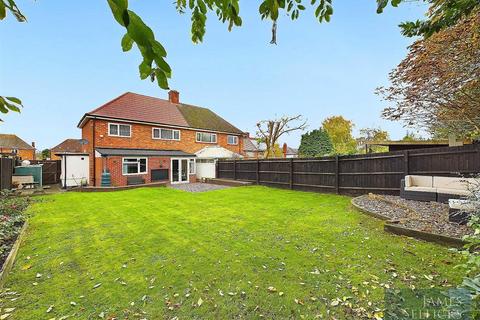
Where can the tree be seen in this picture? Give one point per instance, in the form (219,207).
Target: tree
(315,143)
(269,131)
(437,86)
(442,13)
(412,136)
(375,135)
(340,131)
(45,154)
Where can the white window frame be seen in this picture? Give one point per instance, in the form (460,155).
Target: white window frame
(200,141)
(192,166)
(118,129)
(138,166)
(160,134)
(235,138)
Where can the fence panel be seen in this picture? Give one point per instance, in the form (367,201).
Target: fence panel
(356,174)
(6,172)
(51,170)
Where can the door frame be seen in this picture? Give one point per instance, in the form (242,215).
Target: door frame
(179,170)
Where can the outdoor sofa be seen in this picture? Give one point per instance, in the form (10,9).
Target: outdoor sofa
(434,188)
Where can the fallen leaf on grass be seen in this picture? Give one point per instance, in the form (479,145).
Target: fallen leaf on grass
(199,302)
(50,308)
(4,316)
(26,267)
(300,302)
(272,289)
(97,285)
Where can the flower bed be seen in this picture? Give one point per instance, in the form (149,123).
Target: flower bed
(12,218)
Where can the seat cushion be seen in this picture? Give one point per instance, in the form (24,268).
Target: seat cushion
(453,191)
(450,183)
(421,189)
(418,181)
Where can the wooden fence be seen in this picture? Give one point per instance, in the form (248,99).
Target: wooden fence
(355,174)
(51,170)
(6,172)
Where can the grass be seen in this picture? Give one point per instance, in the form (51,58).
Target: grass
(161,253)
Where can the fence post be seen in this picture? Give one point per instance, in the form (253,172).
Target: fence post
(234,169)
(258,171)
(405,162)
(291,173)
(217,170)
(337,180)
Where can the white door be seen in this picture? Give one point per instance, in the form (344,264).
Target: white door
(205,168)
(179,171)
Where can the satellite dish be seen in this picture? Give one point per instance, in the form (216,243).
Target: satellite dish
(83,141)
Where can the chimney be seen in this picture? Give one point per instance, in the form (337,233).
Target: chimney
(174,96)
(33,144)
(284,150)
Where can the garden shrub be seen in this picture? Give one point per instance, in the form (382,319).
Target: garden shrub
(470,287)
(12,218)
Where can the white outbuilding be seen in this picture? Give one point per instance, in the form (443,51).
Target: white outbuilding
(75,169)
(207,158)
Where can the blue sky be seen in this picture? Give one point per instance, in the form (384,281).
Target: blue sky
(67,60)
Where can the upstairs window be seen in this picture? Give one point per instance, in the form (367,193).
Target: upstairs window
(232,140)
(206,137)
(165,134)
(119,130)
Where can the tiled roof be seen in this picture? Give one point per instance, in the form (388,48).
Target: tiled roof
(292,150)
(203,118)
(69,145)
(137,107)
(248,145)
(13,142)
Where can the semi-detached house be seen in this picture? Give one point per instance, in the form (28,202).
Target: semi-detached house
(140,138)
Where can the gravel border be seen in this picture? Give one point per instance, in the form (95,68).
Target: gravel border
(431,217)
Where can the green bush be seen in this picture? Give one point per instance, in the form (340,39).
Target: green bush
(12,217)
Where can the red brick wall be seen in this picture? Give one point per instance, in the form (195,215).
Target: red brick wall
(141,138)
(114,166)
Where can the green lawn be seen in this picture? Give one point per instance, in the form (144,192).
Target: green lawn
(161,253)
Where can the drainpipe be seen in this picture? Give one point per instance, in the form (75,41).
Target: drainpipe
(93,153)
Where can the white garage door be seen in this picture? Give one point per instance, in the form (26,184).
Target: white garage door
(205,168)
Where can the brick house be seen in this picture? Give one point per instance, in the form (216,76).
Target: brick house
(11,145)
(141,138)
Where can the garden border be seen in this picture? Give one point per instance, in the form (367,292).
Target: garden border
(390,226)
(8,264)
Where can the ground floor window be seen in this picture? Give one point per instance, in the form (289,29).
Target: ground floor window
(134,166)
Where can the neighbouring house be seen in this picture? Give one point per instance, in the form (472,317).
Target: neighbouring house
(415,144)
(13,146)
(140,139)
(251,148)
(289,152)
(67,146)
